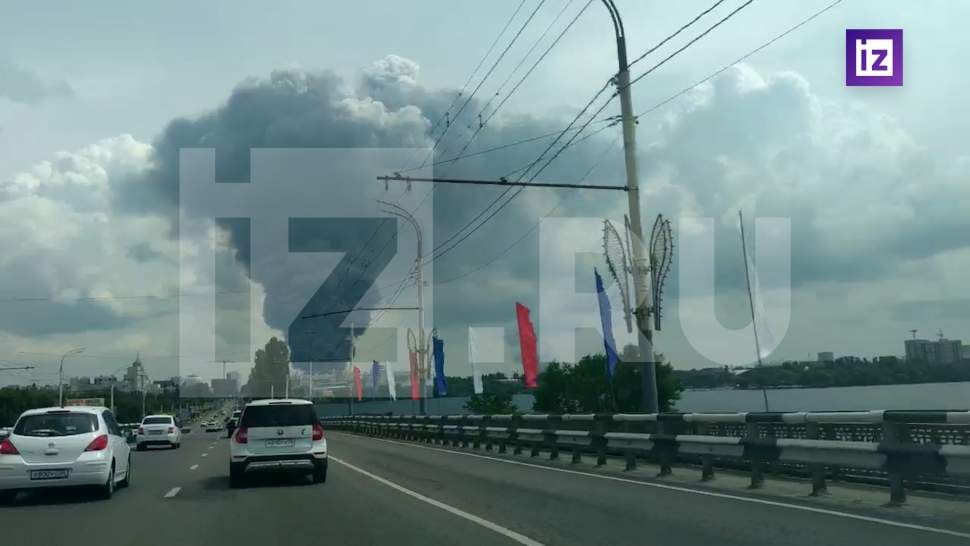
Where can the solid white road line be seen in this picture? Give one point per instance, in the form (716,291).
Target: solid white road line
(521,539)
(193,467)
(729,496)
(172,492)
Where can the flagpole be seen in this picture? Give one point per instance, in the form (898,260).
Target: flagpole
(754,324)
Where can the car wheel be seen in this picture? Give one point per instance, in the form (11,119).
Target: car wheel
(107,490)
(320,473)
(127,481)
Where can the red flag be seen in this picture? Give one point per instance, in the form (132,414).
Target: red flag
(358,385)
(527,344)
(415,388)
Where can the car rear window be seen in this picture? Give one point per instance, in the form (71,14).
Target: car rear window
(157,421)
(56,424)
(283,415)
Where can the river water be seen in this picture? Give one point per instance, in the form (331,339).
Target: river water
(923,396)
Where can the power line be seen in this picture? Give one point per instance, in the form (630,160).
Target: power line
(674,35)
(744,57)
(648,111)
(482,81)
(692,41)
(535,226)
(477,67)
(526,75)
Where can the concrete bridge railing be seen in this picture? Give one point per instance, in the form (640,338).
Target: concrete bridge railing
(897,448)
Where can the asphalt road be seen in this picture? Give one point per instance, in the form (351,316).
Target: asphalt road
(380,492)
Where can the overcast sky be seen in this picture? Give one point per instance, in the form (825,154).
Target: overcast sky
(96,101)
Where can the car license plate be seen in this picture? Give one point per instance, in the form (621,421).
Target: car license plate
(49,474)
(279,443)
(155,431)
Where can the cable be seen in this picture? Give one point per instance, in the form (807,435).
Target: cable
(535,226)
(691,42)
(482,81)
(674,35)
(526,75)
(481,62)
(721,70)
(652,109)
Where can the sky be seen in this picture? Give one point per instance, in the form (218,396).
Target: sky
(97,100)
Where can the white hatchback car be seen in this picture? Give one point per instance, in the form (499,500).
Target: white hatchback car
(58,447)
(278,435)
(157,430)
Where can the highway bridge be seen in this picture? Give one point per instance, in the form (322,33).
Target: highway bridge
(387,491)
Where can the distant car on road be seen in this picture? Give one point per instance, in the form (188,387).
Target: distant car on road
(158,430)
(212,426)
(231,423)
(58,447)
(278,435)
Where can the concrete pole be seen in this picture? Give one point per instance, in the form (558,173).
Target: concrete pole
(641,265)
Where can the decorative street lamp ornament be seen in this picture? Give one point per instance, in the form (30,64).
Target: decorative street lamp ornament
(661,256)
(617,261)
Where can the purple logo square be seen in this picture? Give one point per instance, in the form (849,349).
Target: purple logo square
(874,56)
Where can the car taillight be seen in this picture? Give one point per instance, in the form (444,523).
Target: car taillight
(171,430)
(317,432)
(141,430)
(7,448)
(242,435)
(99,443)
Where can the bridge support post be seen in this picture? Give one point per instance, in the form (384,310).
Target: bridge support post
(707,468)
(631,460)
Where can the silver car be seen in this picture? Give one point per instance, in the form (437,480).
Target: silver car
(58,447)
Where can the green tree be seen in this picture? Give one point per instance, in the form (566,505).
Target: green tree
(270,368)
(585,387)
(491,404)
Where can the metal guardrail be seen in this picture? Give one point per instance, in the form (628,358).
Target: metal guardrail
(928,450)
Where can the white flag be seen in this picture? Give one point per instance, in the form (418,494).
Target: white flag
(391,387)
(473,358)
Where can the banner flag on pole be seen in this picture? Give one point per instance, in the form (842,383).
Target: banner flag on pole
(440,383)
(375,376)
(358,385)
(391,385)
(527,345)
(606,319)
(415,387)
(473,359)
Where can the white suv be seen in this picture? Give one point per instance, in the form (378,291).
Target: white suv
(158,430)
(278,434)
(57,447)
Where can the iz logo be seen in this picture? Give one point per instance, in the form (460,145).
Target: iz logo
(874,57)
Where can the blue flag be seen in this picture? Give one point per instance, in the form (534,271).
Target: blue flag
(606,320)
(440,384)
(375,374)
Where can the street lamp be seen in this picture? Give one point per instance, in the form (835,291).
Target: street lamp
(60,374)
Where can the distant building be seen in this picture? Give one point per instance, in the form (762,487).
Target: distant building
(920,350)
(965,352)
(942,351)
(225,387)
(80,383)
(134,375)
(826,356)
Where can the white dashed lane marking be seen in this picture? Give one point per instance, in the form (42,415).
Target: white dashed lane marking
(193,467)
(172,492)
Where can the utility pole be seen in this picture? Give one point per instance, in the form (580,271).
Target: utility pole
(754,322)
(640,263)
(424,370)
(60,374)
(309,386)
(641,266)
